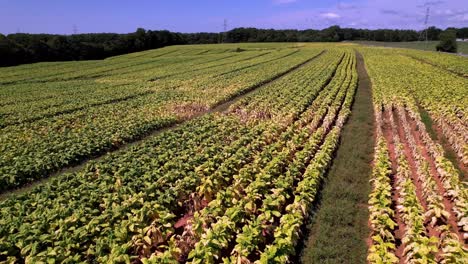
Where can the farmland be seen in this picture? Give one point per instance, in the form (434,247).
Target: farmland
(418,45)
(236,153)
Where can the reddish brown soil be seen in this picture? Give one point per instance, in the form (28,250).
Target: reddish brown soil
(388,135)
(399,232)
(187,110)
(440,189)
(431,230)
(446,145)
(411,161)
(184,235)
(182,222)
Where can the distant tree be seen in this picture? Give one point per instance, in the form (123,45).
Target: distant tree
(140,39)
(38,50)
(448,41)
(390,35)
(348,34)
(379,35)
(331,34)
(60,48)
(462,33)
(89,51)
(11,53)
(408,35)
(433,33)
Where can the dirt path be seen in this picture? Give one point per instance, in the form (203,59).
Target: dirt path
(343,199)
(220,107)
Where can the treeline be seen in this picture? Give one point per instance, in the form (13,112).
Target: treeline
(26,48)
(334,34)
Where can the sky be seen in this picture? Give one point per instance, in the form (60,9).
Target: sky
(122,16)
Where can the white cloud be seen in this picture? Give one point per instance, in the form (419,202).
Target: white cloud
(330,15)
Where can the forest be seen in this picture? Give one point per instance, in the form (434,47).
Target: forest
(22,48)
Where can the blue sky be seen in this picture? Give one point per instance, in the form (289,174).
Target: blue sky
(61,16)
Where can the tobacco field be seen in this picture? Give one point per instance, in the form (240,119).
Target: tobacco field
(236,153)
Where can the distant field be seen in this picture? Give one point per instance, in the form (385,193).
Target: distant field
(229,153)
(420,45)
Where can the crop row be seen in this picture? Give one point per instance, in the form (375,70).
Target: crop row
(22,103)
(83,96)
(440,93)
(175,66)
(82,69)
(14,93)
(418,203)
(32,150)
(102,199)
(456,64)
(156,61)
(243,203)
(271,102)
(93,214)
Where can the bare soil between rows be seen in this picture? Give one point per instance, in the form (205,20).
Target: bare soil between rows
(452,221)
(389,135)
(401,227)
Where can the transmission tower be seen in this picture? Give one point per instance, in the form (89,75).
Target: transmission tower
(424,35)
(426,20)
(75,30)
(225,26)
